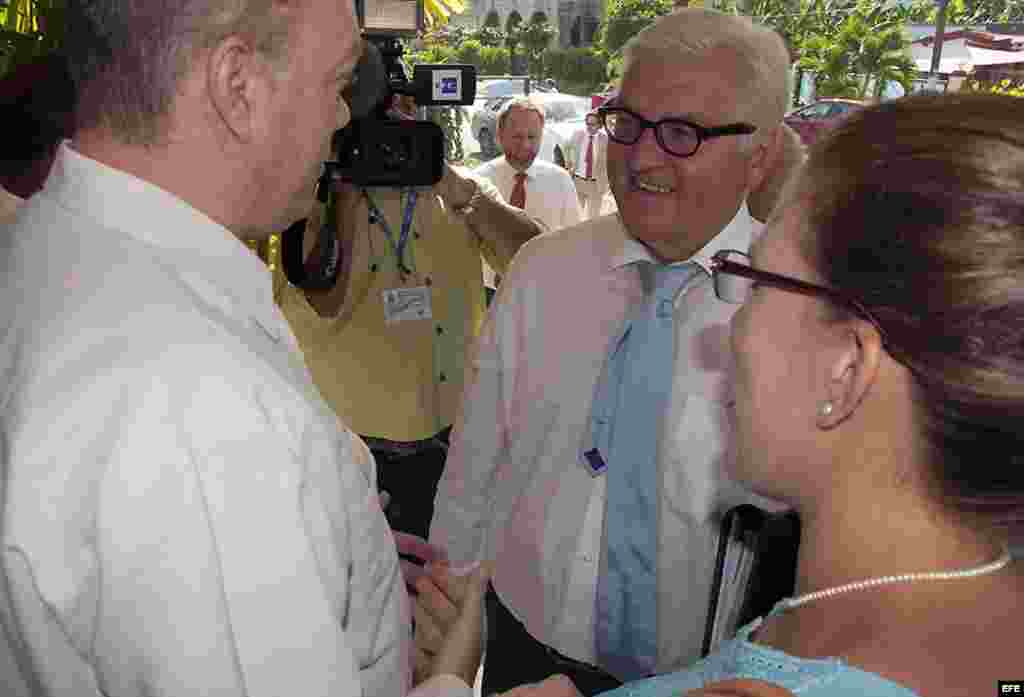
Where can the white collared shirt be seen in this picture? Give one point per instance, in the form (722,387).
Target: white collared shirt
(515,487)
(550,193)
(183,515)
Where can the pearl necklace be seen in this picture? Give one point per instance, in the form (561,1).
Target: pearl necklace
(991,567)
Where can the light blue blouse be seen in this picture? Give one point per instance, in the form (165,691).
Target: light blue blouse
(741,658)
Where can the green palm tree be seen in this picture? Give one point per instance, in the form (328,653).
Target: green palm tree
(883,59)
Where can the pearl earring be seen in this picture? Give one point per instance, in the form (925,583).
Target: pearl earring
(826,408)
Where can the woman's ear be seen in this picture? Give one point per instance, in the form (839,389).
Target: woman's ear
(852,371)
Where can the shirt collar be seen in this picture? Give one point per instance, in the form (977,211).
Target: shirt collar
(738,234)
(512,170)
(144,211)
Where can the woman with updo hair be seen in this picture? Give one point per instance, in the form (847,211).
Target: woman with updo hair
(879,370)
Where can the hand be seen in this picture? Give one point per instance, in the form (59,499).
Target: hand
(412,546)
(740,688)
(555,686)
(454,188)
(448,613)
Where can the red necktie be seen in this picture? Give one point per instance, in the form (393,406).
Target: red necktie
(590,158)
(518,198)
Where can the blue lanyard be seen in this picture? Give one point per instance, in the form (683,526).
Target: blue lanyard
(403,236)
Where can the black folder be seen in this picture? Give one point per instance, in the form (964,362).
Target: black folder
(755,568)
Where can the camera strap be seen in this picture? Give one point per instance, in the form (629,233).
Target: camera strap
(397,246)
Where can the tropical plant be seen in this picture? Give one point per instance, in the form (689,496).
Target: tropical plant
(578,70)
(489,35)
(624,18)
(438,12)
(29,28)
(495,60)
(536,36)
(1011,87)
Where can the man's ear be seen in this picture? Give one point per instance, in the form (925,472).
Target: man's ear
(235,79)
(853,370)
(763,159)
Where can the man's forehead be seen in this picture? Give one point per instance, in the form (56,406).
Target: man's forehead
(697,86)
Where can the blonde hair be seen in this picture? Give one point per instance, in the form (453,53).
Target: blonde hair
(763,82)
(522,103)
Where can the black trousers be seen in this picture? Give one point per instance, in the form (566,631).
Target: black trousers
(514,657)
(411,480)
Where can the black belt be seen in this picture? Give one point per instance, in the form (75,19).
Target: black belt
(400,448)
(514,657)
(586,179)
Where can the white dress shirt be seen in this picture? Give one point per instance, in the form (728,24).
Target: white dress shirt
(515,487)
(550,194)
(182,513)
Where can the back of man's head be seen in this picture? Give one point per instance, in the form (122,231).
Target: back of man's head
(127,57)
(759,54)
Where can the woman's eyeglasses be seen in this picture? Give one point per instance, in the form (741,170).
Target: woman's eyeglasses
(734,279)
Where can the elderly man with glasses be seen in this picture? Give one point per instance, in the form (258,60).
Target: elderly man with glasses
(589,459)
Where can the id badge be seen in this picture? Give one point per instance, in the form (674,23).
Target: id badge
(404,304)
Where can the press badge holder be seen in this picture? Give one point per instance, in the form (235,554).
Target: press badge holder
(404,304)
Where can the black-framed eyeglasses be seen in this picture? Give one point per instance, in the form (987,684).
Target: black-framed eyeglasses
(677,137)
(734,279)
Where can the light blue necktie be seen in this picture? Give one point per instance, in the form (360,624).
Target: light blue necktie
(625,429)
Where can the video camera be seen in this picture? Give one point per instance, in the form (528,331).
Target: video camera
(374,149)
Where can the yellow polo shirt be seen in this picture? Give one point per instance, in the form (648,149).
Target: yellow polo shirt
(400,380)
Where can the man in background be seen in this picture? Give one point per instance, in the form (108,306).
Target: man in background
(589,166)
(544,190)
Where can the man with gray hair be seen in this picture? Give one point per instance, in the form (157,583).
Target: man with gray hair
(591,456)
(182,513)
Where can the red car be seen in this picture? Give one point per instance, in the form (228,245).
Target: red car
(810,121)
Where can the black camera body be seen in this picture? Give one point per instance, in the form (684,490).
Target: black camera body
(374,149)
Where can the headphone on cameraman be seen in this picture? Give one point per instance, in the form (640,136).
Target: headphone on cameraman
(320,271)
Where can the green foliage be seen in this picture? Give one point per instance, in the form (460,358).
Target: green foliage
(469,52)
(513,31)
(535,37)
(625,18)
(494,60)
(577,70)
(489,35)
(1013,88)
(28,29)
(430,53)
(969,12)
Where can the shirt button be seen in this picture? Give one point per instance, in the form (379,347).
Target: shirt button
(443,377)
(440,330)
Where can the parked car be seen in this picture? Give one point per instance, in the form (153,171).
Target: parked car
(563,114)
(811,121)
